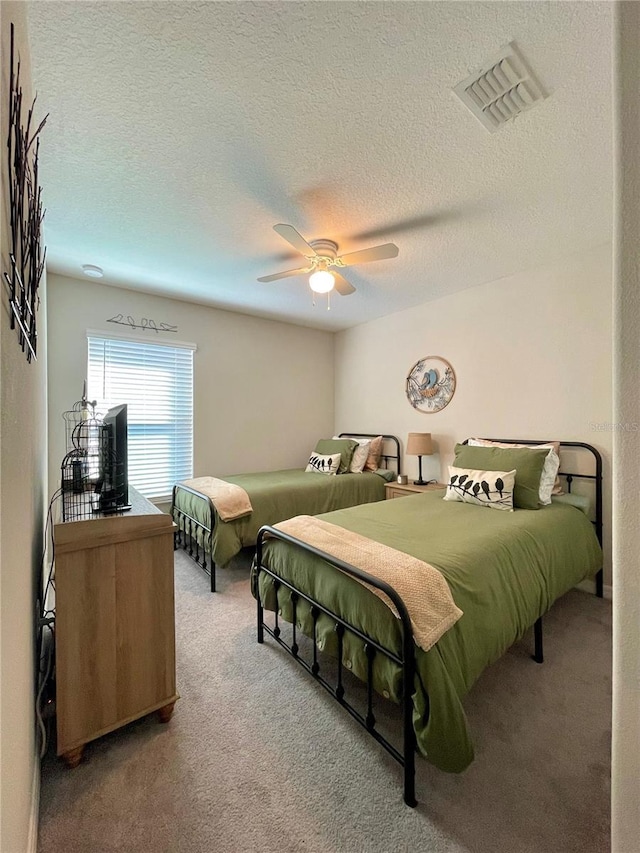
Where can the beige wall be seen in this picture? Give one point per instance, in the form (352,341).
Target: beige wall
(625,818)
(23,454)
(531,352)
(263,390)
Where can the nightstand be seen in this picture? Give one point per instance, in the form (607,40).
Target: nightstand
(395,490)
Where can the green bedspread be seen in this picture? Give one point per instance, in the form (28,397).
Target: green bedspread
(275,496)
(504,569)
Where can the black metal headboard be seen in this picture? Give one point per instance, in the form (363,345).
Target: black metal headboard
(570,476)
(387,457)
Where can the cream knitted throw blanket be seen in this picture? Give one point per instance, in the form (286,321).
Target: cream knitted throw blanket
(230,501)
(422,587)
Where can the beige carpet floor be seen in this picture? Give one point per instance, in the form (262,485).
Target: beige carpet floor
(258,758)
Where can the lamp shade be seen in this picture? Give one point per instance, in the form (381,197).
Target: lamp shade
(419,444)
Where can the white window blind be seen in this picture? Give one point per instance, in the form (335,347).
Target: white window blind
(156,383)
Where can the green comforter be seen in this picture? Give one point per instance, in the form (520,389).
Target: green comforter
(275,496)
(504,569)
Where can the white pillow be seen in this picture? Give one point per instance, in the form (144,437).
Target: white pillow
(483,488)
(320,464)
(360,455)
(550,468)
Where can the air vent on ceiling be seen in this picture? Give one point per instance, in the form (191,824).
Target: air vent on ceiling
(501,90)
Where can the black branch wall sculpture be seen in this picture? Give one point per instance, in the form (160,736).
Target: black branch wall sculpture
(27,255)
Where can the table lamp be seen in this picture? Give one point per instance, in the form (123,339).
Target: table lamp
(419,444)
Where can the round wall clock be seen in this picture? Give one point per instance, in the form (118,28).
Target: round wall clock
(431,384)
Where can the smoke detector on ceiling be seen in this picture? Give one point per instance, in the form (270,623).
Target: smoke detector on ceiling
(92,271)
(501,90)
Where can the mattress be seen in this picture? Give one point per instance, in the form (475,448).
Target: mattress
(275,496)
(504,570)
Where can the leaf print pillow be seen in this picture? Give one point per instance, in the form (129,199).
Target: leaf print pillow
(327,463)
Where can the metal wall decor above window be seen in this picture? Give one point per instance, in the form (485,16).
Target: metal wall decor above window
(155,380)
(26,255)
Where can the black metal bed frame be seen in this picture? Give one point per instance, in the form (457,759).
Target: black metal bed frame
(190,528)
(406,661)
(569,478)
(187,533)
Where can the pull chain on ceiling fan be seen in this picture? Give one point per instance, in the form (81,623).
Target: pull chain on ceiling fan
(323,255)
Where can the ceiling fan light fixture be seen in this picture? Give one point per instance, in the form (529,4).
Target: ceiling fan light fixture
(322,253)
(321,281)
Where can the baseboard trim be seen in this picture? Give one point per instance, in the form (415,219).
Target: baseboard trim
(32,845)
(590,586)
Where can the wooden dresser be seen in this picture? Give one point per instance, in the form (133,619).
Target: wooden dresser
(115,623)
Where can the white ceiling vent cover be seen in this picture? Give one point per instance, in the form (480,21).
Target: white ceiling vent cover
(501,90)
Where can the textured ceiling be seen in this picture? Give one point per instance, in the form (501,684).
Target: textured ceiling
(180,133)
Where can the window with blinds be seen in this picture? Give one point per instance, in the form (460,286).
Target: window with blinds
(156,382)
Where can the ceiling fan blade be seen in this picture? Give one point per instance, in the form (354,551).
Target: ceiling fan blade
(289,233)
(343,287)
(286,274)
(377,253)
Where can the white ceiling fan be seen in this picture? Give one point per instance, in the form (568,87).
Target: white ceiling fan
(323,254)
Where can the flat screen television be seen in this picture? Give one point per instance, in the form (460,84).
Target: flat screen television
(113,479)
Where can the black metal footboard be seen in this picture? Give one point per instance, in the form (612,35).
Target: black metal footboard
(406,661)
(188,530)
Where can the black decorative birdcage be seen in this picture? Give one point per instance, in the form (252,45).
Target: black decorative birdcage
(82,411)
(81,467)
(93,477)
